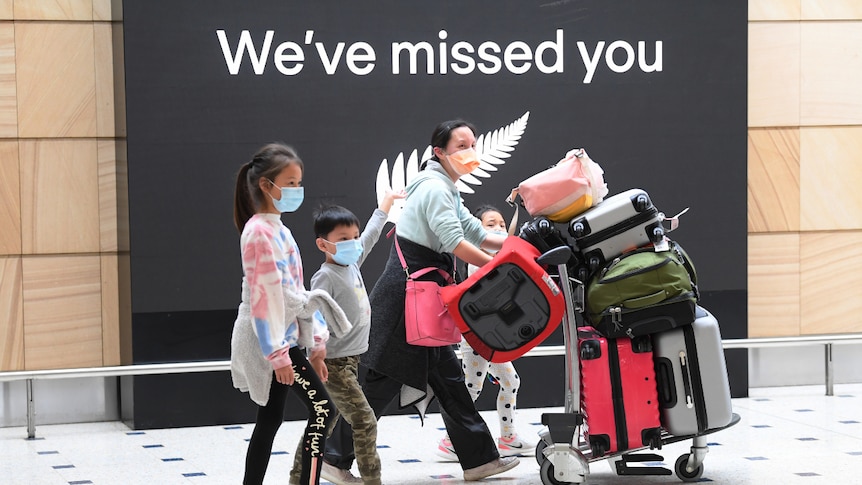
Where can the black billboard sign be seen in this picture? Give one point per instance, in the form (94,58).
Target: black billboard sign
(655,91)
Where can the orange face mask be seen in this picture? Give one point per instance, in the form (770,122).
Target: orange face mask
(464,161)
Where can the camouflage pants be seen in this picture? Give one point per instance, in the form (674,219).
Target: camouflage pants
(346,393)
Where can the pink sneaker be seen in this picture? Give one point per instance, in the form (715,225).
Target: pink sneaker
(445,449)
(513,446)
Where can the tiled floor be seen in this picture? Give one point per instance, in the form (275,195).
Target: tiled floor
(793,435)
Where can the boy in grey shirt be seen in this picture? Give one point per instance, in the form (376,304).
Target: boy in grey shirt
(338,237)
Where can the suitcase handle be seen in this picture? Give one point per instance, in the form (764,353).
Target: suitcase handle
(686,379)
(665,382)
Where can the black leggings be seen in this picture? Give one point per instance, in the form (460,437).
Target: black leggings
(321,411)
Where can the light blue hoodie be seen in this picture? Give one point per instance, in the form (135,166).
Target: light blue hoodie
(434,214)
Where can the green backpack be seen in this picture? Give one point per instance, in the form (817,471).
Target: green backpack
(643,292)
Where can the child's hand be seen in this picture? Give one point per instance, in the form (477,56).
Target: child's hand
(318,365)
(285,375)
(389,198)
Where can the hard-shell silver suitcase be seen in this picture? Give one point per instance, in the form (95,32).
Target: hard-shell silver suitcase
(691,374)
(619,223)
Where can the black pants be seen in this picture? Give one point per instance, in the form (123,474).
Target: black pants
(311,392)
(467,430)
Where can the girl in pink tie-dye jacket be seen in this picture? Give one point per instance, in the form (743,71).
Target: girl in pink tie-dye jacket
(278,319)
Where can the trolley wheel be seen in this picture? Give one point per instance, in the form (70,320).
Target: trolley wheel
(540,448)
(684,474)
(546,472)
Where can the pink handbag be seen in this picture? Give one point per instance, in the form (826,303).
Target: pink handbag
(426,318)
(565,190)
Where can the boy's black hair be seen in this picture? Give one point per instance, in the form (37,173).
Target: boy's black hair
(482,209)
(328,217)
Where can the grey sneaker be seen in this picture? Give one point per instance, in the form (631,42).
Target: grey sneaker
(494,467)
(338,476)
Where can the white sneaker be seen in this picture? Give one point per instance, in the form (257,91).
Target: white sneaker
(494,467)
(338,476)
(445,449)
(514,446)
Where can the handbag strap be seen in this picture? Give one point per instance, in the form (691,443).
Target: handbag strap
(421,272)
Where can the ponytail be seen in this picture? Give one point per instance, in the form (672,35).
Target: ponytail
(243,205)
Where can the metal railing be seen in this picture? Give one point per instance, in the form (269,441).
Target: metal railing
(828,341)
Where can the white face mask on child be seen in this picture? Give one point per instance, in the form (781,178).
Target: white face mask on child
(499,233)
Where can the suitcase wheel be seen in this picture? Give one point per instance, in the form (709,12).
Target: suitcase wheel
(641,344)
(657,234)
(652,437)
(594,263)
(590,349)
(583,274)
(545,226)
(578,230)
(599,445)
(642,202)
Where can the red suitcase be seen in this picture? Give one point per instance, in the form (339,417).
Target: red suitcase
(619,395)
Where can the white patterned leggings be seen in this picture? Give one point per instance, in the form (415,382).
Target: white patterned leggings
(476,368)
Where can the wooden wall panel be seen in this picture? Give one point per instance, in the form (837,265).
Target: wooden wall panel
(10,199)
(831,275)
(63,311)
(110,310)
(830,172)
(107,10)
(113,196)
(773,74)
(110,81)
(773,285)
(11,316)
(59,196)
(6,9)
(53,9)
(8,87)
(831,10)
(56,79)
(831,88)
(107,160)
(773,179)
(774,10)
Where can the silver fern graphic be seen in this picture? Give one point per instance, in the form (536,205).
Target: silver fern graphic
(492,147)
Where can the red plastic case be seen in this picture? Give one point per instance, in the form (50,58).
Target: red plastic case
(508,306)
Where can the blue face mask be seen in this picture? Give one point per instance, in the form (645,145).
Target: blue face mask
(347,252)
(291,198)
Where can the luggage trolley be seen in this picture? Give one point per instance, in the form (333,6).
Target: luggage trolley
(562,455)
